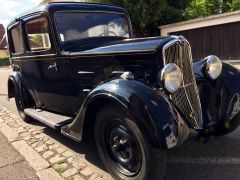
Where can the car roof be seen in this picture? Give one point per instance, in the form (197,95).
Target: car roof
(53,7)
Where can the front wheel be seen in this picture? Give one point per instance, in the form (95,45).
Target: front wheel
(123,148)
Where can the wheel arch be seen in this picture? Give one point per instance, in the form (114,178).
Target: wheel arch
(92,110)
(152,112)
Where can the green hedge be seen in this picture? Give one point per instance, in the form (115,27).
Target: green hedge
(4,61)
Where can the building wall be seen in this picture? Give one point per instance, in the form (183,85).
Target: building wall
(222,40)
(3,53)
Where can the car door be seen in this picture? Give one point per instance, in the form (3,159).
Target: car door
(43,67)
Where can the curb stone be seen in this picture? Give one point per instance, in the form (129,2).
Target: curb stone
(53,160)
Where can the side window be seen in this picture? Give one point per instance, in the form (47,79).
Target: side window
(38,34)
(17,39)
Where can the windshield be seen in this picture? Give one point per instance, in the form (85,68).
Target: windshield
(77,25)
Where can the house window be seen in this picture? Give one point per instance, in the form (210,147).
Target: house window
(37,34)
(17,39)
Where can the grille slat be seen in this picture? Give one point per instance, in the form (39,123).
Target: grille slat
(185,98)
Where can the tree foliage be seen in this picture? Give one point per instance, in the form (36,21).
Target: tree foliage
(148,15)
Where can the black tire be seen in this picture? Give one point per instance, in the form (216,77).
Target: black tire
(227,128)
(115,135)
(23,101)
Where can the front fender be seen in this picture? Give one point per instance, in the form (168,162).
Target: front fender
(220,99)
(155,115)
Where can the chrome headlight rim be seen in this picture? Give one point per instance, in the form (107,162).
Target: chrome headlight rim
(168,77)
(213,67)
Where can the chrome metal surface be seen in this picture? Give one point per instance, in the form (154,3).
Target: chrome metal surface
(185,98)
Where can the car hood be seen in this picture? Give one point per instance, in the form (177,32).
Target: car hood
(122,46)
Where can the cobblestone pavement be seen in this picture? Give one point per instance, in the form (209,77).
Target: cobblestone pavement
(65,162)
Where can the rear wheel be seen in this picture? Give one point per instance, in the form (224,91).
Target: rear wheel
(23,101)
(123,148)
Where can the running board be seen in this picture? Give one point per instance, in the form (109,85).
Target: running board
(53,120)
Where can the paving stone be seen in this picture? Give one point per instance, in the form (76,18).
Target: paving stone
(39,136)
(1,120)
(54,146)
(49,142)
(70,172)
(19,124)
(60,150)
(31,130)
(49,174)
(26,138)
(14,125)
(31,141)
(56,159)
(9,120)
(34,159)
(18,120)
(45,138)
(36,144)
(96,176)
(9,132)
(67,154)
(36,132)
(78,177)
(87,172)
(70,160)
(27,127)
(47,154)
(23,134)
(22,130)
(79,164)
(62,165)
(41,148)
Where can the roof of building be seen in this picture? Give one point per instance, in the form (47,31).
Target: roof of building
(3,42)
(213,20)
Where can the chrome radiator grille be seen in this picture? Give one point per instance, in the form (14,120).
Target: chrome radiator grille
(185,98)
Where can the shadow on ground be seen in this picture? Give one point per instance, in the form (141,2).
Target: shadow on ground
(86,147)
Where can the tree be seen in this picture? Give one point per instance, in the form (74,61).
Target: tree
(202,8)
(148,15)
(235,5)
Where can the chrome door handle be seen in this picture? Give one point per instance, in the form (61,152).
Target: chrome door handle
(54,65)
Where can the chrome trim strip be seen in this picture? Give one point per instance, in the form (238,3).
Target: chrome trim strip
(86,72)
(33,56)
(112,52)
(118,72)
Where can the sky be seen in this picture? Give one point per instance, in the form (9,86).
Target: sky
(11,8)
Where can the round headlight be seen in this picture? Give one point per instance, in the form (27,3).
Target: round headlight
(171,77)
(213,66)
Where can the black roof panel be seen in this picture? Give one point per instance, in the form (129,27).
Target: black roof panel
(53,7)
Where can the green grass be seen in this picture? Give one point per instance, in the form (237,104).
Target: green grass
(60,170)
(60,162)
(69,178)
(4,61)
(3,58)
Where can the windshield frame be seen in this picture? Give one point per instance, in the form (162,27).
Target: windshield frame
(95,12)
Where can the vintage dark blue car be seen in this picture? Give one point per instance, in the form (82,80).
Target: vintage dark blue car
(78,68)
